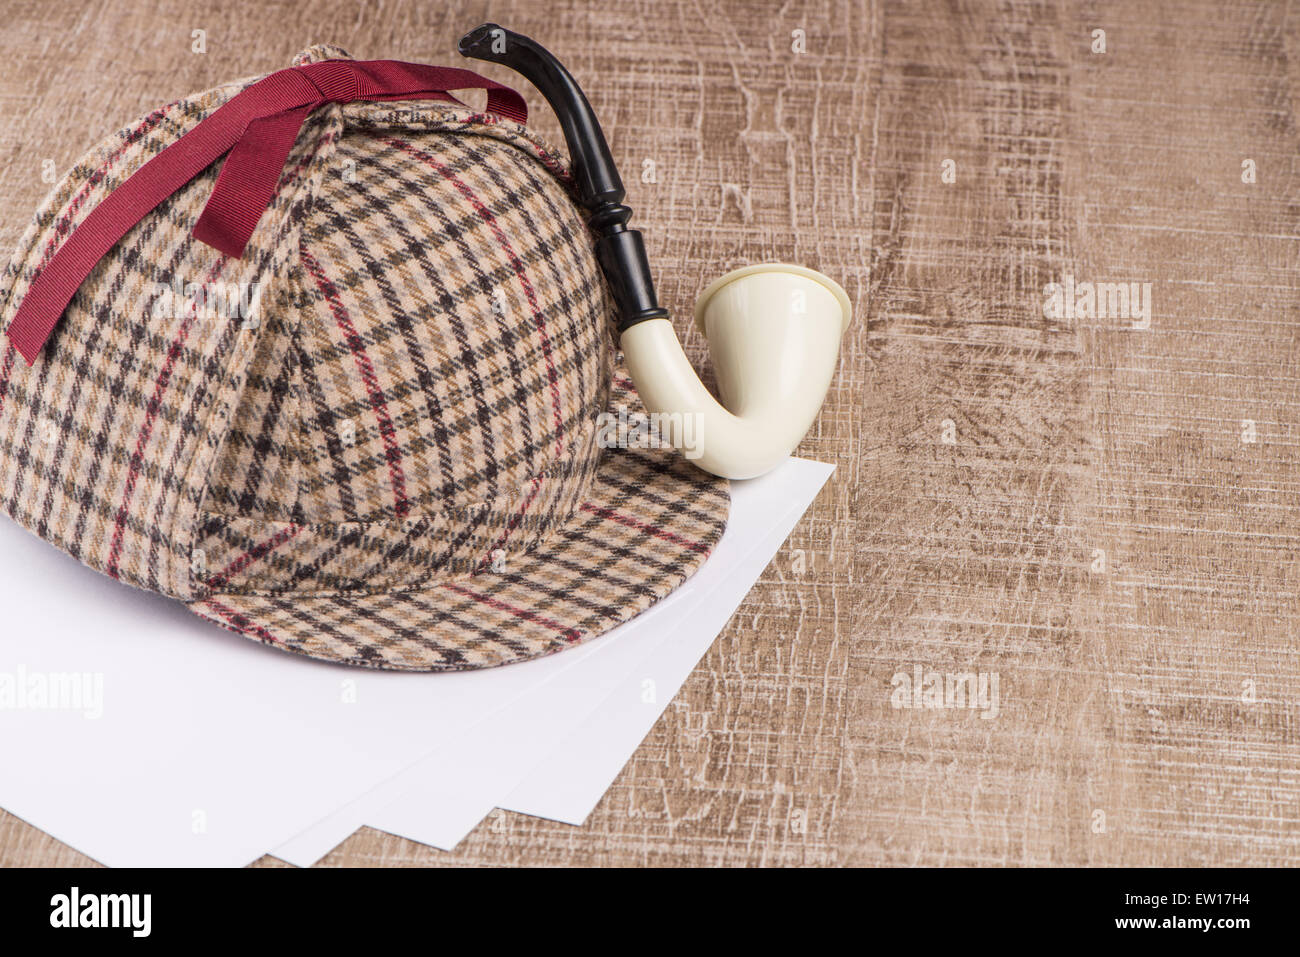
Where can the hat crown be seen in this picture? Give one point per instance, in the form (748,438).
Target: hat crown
(431,371)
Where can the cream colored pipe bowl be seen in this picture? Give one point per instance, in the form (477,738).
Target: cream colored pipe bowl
(774,335)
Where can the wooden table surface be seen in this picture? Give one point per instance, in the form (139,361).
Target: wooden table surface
(1099,513)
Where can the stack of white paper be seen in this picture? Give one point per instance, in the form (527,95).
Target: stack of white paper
(190,746)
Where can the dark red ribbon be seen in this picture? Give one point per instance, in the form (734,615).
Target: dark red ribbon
(257,128)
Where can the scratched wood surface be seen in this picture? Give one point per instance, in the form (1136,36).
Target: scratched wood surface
(1102,518)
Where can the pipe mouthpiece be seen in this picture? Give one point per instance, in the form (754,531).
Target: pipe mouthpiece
(620,250)
(478,43)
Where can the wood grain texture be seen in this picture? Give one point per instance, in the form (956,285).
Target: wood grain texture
(1124,734)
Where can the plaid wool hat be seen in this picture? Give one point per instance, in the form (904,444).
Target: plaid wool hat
(370,431)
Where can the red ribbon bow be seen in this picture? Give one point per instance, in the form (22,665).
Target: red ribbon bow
(258,128)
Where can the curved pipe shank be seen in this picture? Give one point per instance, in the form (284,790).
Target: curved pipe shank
(774,333)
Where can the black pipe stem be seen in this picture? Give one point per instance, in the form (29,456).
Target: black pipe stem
(620,251)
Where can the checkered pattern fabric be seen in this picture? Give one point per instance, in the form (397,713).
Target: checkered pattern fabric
(374,438)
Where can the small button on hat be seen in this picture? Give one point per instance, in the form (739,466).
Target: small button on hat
(327,356)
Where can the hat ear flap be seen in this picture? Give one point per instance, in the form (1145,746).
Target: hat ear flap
(92,178)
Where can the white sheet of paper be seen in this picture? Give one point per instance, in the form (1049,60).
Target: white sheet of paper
(441,798)
(452,765)
(210,748)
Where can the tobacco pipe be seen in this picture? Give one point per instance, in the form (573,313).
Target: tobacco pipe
(773,329)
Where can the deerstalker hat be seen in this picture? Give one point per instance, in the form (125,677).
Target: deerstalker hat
(334,367)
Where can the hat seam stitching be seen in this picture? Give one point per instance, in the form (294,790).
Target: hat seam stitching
(245,352)
(714,532)
(225,521)
(442,116)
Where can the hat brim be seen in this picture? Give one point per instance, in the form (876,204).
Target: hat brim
(649,522)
